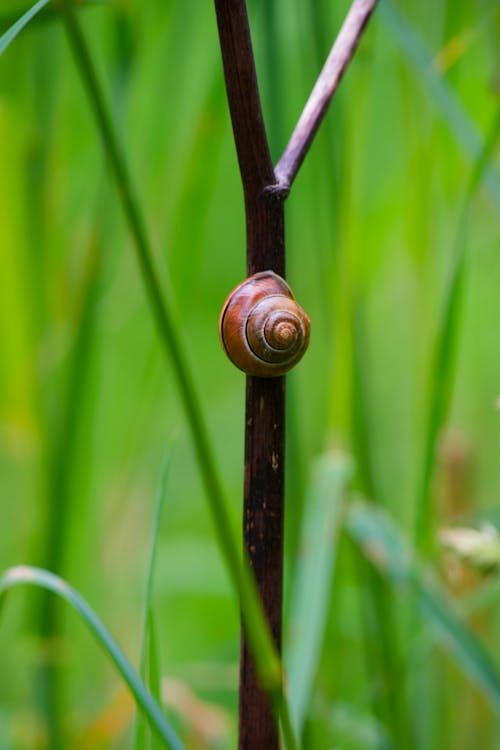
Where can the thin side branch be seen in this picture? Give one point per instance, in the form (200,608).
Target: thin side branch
(329,79)
(252,146)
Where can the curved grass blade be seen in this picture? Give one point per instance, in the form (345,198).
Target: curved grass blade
(154,668)
(49,15)
(149,649)
(24,575)
(19,25)
(264,653)
(392,556)
(311,595)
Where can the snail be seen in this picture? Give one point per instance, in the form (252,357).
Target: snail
(262,329)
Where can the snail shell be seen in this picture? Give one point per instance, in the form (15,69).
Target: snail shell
(263,330)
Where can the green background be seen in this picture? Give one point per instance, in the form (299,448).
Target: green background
(89,408)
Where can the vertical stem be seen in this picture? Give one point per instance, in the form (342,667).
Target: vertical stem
(265,398)
(263,513)
(263,537)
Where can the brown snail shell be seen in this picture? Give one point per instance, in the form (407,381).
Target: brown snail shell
(263,330)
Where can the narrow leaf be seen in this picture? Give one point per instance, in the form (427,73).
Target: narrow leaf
(147,614)
(49,15)
(154,668)
(19,25)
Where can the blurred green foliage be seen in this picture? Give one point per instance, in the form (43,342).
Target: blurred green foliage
(87,406)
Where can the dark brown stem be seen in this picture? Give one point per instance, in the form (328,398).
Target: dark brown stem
(250,136)
(265,398)
(264,192)
(329,79)
(263,534)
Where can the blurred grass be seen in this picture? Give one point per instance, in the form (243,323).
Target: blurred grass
(394,559)
(443,365)
(310,598)
(382,631)
(372,228)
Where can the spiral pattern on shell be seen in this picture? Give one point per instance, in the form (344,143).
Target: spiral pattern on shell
(263,330)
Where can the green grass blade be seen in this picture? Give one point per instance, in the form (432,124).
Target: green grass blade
(147,647)
(151,667)
(48,15)
(148,594)
(287,729)
(458,120)
(19,25)
(23,575)
(442,375)
(265,656)
(310,597)
(154,668)
(392,556)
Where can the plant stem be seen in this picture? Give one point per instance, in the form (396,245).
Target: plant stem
(263,509)
(264,192)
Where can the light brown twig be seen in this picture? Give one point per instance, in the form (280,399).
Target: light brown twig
(342,52)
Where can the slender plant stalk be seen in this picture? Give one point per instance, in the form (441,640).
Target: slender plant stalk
(265,655)
(147,662)
(329,79)
(264,193)
(263,510)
